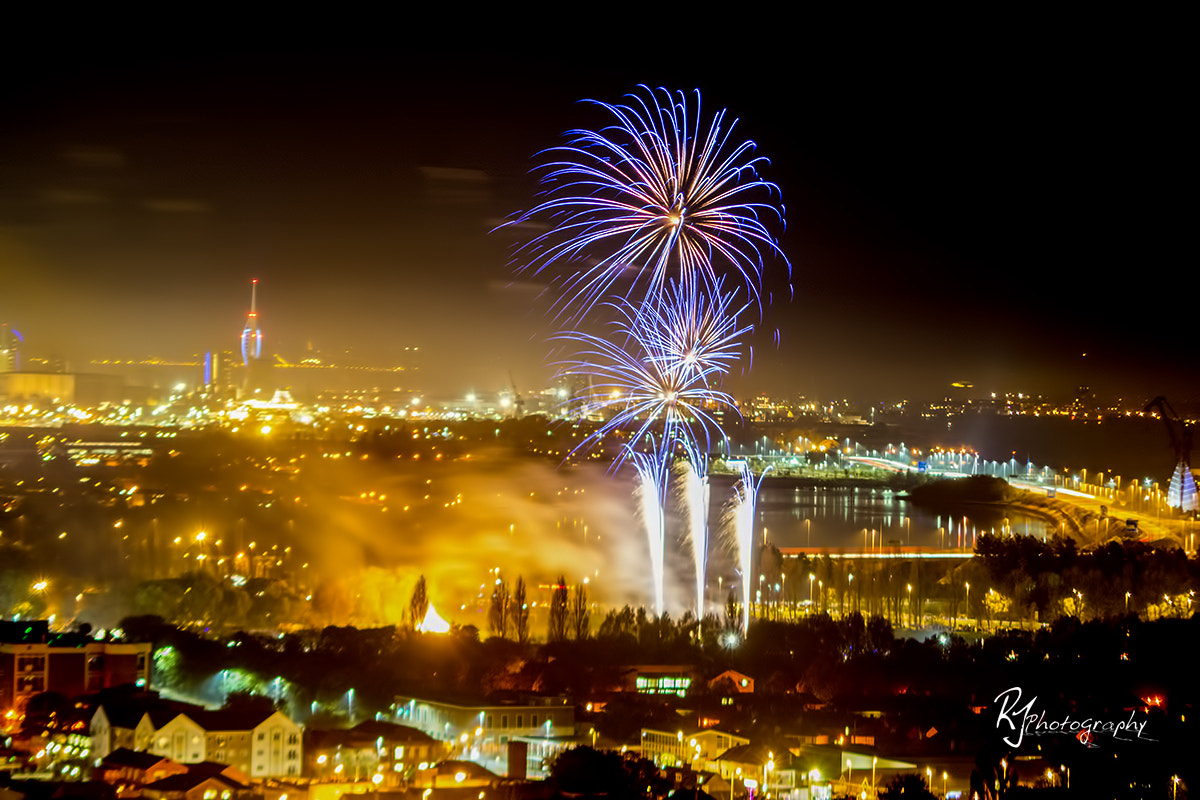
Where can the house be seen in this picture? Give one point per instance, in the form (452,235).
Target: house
(732,682)
(196,784)
(33,659)
(772,770)
(693,747)
(480,731)
(129,770)
(673,679)
(261,743)
(371,748)
(455,775)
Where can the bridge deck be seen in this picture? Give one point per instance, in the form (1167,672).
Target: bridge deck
(904,551)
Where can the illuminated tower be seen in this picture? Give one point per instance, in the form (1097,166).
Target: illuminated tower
(1182,492)
(10,349)
(251,335)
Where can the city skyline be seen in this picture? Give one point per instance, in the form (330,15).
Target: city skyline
(944,224)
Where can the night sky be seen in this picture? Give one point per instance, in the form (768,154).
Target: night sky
(988,210)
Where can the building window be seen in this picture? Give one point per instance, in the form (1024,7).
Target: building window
(31,663)
(520,721)
(504,720)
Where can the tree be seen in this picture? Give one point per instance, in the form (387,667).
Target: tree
(558,611)
(578,616)
(520,612)
(733,613)
(584,771)
(419,604)
(250,702)
(908,786)
(498,614)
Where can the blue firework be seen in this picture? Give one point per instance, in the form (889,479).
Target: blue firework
(663,192)
(657,378)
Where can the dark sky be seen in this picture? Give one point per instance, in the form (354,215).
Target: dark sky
(987,206)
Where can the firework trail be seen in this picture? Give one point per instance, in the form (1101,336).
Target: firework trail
(661,192)
(650,501)
(739,528)
(694,494)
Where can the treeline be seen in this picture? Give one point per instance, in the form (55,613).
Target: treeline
(1022,578)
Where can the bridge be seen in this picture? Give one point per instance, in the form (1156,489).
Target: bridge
(903,552)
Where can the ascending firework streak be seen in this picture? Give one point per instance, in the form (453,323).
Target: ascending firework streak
(650,496)
(694,493)
(657,193)
(740,517)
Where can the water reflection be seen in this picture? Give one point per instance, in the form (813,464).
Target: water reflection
(876,518)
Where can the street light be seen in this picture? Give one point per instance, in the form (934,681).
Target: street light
(967,601)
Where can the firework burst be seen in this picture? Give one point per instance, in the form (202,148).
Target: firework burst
(661,192)
(657,378)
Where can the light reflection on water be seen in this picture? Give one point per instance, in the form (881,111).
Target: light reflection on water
(803,517)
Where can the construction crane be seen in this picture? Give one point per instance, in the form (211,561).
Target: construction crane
(518,401)
(1182,491)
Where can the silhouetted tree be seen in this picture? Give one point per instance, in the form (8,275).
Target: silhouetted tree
(558,611)
(419,604)
(908,786)
(250,702)
(733,613)
(520,612)
(498,614)
(578,617)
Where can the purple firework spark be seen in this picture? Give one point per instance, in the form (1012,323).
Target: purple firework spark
(659,376)
(660,193)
